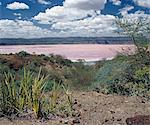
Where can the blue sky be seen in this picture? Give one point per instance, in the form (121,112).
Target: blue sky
(64,18)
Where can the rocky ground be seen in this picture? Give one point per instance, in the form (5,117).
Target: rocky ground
(97,109)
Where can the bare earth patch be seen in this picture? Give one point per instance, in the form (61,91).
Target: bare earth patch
(96,109)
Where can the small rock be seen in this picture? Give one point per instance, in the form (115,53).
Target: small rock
(112,112)
(76,121)
(95,102)
(142,101)
(75,102)
(85,110)
(79,105)
(113,118)
(139,120)
(119,120)
(106,120)
(65,121)
(76,114)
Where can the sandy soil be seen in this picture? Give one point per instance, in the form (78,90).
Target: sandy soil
(97,109)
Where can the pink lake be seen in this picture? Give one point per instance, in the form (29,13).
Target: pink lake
(88,52)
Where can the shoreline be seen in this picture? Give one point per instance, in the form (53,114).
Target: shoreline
(65,44)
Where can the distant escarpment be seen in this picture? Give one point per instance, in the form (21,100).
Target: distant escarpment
(66,40)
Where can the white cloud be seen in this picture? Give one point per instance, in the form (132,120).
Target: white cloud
(0,3)
(17,14)
(60,13)
(98,26)
(17,5)
(144,3)
(78,18)
(133,20)
(44,2)
(21,29)
(74,18)
(124,11)
(116,2)
(71,10)
(85,4)
(137,15)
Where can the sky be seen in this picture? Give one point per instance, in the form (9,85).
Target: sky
(66,18)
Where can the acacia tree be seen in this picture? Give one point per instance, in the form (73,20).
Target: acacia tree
(137,29)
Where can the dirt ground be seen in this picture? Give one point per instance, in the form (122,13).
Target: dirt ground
(96,109)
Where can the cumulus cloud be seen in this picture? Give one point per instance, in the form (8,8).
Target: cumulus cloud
(44,2)
(60,13)
(98,26)
(133,20)
(21,29)
(71,10)
(78,18)
(85,4)
(124,11)
(75,18)
(18,15)
(116,2)
(144,3)
(137,15)
(17,5)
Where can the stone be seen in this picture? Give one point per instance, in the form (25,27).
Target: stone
(139,120)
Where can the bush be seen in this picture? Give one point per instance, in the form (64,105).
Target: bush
(128,75)
(82,75)
(59,60)
(128,89)
(142,75)
(111,72)
(23,54)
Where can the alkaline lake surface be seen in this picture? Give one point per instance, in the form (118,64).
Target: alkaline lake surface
(88,52)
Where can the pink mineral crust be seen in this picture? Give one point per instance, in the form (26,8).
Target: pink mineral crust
(88,52)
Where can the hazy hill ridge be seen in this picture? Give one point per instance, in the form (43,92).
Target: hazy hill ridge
(66,40)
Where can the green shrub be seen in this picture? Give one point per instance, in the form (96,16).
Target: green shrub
(81,75)
(125,75)
(111,72)
(142,75)
(113,88)
(128,89)
(23,54)
(59,60)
